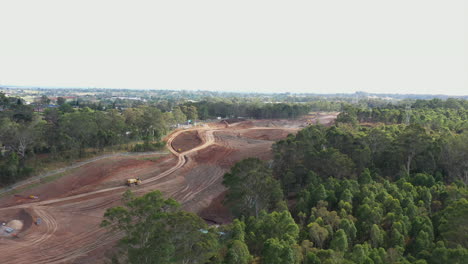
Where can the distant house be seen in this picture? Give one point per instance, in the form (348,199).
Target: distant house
(41,108)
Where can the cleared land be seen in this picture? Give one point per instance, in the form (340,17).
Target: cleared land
(70,208)
(186,141)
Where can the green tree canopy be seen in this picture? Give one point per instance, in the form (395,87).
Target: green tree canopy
(156,231)
(251,188)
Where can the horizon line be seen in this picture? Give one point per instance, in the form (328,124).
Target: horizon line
(216,91)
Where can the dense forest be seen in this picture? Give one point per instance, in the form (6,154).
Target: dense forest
(385,191)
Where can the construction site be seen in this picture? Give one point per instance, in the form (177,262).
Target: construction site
(59,221)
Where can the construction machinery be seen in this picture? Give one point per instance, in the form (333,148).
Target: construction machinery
(136,181)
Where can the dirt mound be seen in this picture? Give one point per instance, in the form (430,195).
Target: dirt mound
(17,219)
(15,224)
(186,141)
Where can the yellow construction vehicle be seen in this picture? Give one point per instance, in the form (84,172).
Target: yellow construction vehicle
(136,181)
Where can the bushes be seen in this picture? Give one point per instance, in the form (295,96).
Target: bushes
(148,146)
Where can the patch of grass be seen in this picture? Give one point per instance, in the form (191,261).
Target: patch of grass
(45,162)
(55,176)
(24,188)
(38,183)
(18,190)
(153,159)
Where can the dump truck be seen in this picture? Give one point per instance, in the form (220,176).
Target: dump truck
(136,181)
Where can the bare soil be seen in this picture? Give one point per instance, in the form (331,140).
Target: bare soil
(105,173)
(71,207)
(266,134)
(186,141)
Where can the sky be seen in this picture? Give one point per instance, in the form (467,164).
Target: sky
(341,46)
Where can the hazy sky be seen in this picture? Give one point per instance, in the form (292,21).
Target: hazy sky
(397,46)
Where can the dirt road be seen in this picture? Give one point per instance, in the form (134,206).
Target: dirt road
(71,208)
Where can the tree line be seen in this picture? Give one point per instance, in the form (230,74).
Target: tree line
(232,108)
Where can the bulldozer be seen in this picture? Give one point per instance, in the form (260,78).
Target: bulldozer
(136,181)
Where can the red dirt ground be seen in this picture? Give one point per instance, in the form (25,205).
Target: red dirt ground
(106,173)
(216,212)
(266,134)
(186,141)
(72,206)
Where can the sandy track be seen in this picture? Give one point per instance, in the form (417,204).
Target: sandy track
(70,231)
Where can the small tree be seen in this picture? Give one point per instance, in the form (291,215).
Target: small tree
(318,234)
(376,236)
(179,116)
(238,253)
(339,241)
(349,228)
(278,252)
(60,100)
(251,188)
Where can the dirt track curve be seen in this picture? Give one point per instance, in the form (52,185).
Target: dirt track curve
(71,212)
